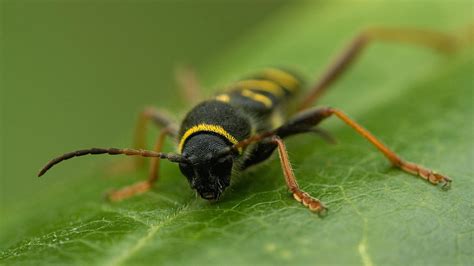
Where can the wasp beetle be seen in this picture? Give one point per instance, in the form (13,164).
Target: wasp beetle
(247,122)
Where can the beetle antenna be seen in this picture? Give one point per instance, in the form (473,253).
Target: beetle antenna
(176,158)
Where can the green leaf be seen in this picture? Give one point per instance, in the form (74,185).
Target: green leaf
(416,101)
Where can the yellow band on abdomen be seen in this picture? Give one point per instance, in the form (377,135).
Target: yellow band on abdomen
(267,102)
(206,128)
(282,77)
(261,85)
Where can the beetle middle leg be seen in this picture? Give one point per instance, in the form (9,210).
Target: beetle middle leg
(265,148)
(149,114)
(160,119)
(144,186)
(312,117)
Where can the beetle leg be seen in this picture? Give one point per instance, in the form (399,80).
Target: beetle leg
(314,116)
(143,186)
(149,114)
(312,203)
(441,42)
(187,79)
(160,119)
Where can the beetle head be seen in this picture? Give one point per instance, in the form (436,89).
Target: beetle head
(207,171)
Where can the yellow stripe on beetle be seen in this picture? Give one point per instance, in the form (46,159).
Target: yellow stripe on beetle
(262,85)
(282,77)
(258,98)
(206,128)
(223,98)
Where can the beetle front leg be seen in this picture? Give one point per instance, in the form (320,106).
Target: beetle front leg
(144,186)
(313,204)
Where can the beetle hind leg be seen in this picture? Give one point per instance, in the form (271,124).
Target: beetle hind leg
(190,87)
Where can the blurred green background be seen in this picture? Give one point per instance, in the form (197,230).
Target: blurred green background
(76,66)
(76,73)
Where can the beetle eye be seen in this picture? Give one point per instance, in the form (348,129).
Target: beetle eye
(186,169)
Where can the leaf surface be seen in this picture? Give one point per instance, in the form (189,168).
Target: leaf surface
(419,103)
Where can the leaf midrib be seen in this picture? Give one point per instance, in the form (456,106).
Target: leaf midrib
(142,241)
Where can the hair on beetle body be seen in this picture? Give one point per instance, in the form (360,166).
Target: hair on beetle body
(244,124)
